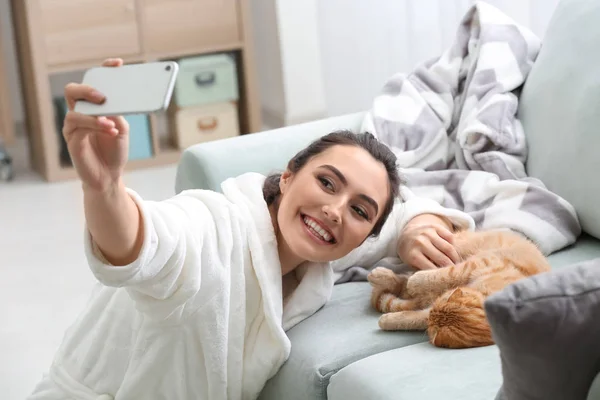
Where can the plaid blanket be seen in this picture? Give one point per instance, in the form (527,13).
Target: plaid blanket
(453,126)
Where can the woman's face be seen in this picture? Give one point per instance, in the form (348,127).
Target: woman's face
(330,206)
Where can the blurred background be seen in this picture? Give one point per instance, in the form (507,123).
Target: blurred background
(311,59)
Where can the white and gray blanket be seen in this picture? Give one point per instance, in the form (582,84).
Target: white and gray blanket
(453,125)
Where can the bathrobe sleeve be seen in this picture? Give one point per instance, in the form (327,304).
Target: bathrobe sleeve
(190,241)
(375,249)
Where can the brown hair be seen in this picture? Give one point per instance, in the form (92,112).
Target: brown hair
(366,141)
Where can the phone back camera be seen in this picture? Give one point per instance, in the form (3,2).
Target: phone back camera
(168,68)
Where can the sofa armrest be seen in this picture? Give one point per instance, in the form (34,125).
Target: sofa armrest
(206,165)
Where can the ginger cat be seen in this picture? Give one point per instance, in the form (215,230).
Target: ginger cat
(448,302)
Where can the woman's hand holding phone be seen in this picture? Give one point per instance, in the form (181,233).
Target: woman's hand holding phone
(98,146)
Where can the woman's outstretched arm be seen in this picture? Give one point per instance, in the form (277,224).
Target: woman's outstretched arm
(99,147)
(115,225)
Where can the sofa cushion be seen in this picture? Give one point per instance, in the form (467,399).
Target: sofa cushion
(420,372)
(343,331)
(559,109)
(585,248)
(547,328)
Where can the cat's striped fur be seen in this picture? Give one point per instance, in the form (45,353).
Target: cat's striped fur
(448,302)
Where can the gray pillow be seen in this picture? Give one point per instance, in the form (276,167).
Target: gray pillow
(547,328)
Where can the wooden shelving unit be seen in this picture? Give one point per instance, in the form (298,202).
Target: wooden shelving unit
(58,36)
(7,127)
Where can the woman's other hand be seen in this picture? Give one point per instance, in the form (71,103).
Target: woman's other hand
(426,243)
(98,145)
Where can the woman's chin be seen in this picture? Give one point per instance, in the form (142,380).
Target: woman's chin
(319,253)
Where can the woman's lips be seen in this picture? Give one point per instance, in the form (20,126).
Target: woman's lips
(317,230)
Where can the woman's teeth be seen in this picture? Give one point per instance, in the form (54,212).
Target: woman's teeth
(318,230)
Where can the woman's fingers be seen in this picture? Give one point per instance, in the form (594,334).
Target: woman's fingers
(106,123)
(441,242)
(431,251)
(120,123)
(435,248)
(75,92)
(75,121)
(112,62)
(444,233)
(422,262)
(84,132)
(87,121)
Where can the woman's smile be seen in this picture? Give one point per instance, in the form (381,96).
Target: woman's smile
(317,230)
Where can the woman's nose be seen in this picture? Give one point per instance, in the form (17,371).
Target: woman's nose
(332,213)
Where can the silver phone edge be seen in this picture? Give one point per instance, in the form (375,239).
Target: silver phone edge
(164,106)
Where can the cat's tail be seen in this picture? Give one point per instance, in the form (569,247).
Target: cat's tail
(457,320)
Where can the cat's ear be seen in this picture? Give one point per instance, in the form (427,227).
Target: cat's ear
(456,294)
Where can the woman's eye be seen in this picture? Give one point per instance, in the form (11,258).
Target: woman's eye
(326,183)
(361,212)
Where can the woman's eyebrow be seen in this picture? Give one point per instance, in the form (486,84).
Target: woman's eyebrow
(336,171)
(344,181)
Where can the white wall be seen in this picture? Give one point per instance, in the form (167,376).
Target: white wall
(301,61)
(286,41)
(268,57)
(364,42)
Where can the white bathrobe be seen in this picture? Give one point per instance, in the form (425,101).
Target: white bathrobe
(200,313)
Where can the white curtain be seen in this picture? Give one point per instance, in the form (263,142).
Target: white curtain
(363,42)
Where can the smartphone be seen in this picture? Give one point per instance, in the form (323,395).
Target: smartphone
(130,89)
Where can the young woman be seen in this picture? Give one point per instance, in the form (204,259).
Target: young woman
(196,292)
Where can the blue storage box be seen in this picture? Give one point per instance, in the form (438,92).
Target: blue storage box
(140,139)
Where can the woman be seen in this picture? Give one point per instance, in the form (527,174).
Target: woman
(197,291)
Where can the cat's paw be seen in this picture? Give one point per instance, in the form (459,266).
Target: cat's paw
(418,282)
(383,278)
(389,322)
(408,320)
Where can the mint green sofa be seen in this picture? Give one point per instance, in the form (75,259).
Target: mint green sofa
(340,353)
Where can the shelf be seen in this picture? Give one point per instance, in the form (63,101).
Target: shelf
(84,65)
(138,58)
(172,55)
(224,26)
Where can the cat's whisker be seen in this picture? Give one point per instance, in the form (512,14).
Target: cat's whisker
(433,338)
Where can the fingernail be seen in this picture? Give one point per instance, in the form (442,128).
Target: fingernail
(96,94)
(104,121)
(114,131)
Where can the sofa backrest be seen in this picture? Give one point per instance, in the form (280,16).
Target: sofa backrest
(207,165)
(560,109)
